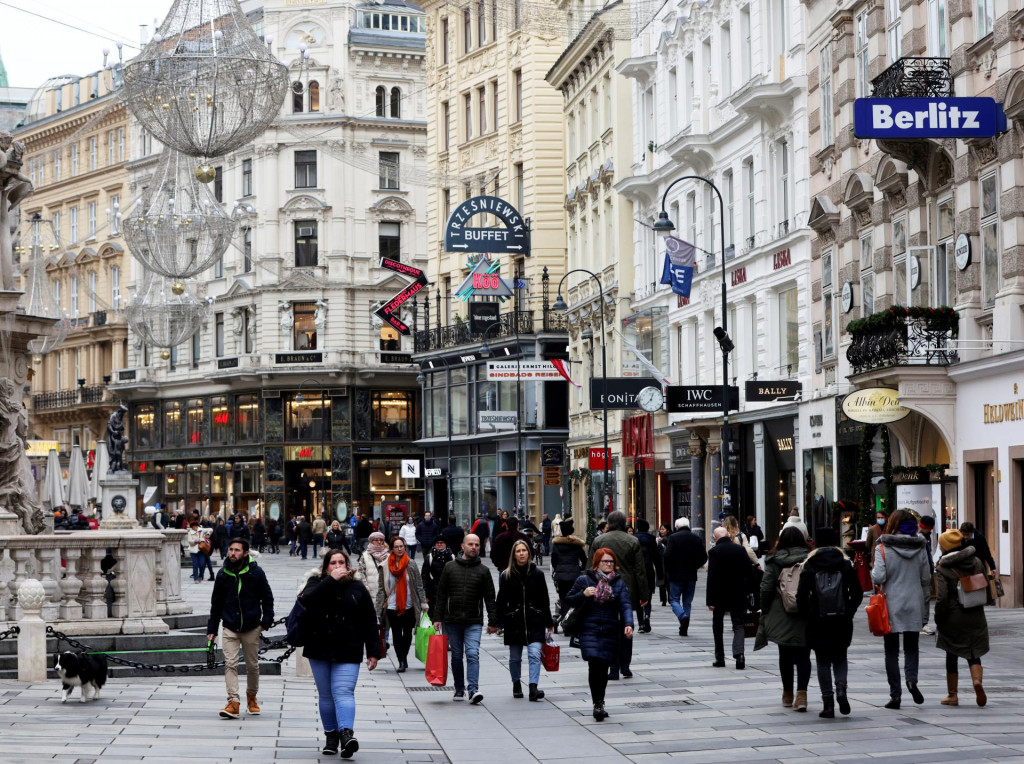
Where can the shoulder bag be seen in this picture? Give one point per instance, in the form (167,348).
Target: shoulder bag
(878,610)
(972,591)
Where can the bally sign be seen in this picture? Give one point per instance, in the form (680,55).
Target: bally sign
(874,405)
(688,398)
(621,392)
(514,238)
(927,118)
(760,392)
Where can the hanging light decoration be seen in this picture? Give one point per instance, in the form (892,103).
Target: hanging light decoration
(39,243)
(163,317)
(205,84)
(177,229)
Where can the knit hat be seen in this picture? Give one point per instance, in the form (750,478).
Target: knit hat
(927,521)
(720,533)
(376,536)
(826,537)
(567,526)
(951,540)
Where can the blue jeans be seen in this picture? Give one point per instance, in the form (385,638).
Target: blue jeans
(198,566)
(303,548)
(411,549)
(465,636)
(515,661)
(681,596)
(336,691)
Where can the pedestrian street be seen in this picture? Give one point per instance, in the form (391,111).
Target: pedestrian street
(675,708)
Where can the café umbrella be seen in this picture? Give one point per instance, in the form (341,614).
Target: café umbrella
(99,471)
(77,493)
(53,490)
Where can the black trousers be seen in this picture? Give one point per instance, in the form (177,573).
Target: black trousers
(598,678)
(911,656)
(563,588)
(798,658)
(625,656)
(831,663)
(951,661)
(402,628)
(737,617)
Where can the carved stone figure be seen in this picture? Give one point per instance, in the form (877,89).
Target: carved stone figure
(287,319)
(337,91)
(17,486)
(320,317)
(13,188)
(238,328)
(116,440)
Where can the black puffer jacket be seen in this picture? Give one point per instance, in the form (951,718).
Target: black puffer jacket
(568,558)
(523,606)
(433,563)
(241,599)
(824,632)
(465,589)
(341,620)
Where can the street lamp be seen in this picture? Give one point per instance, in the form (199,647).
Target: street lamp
(520,457)
(421,379)
(561,306)
(665,225)
(323,450)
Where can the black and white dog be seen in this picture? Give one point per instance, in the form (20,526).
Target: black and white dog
(81,670)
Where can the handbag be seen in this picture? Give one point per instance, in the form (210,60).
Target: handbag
(995,588)
(550,655)
(436,670)
(751,623)
(573,621)
(295,624)
(878,609)
(424,632)
(204,546)
(972,591)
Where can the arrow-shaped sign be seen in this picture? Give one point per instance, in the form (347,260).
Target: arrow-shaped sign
(405,270)
(389,311)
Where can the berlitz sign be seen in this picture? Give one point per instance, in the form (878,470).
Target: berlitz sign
(514,238)
(927,118)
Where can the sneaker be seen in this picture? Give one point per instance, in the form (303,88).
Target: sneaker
(927,630)
(230,711)
(459,695)
(476,698)
(254,707)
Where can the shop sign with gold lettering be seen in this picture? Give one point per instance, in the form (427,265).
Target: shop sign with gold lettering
(875,405)
(1008,411)
(307,453)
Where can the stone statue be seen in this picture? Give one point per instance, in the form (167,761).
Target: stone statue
(238,327)
(17,486)
(13,188)
(251,328)
(116,440)
(320,317)
(287,319)
(337,91)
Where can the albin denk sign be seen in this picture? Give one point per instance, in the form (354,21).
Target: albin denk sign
(901,118)
(874,405)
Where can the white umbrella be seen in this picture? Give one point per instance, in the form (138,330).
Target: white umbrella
(78,480)
(53,489)
(99,471)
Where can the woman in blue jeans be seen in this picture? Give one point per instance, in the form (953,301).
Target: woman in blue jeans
(524,612)
(340,623)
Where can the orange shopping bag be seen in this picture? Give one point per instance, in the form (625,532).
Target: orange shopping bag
(437,660)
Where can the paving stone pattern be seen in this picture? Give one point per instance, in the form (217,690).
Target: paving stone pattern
(676,708)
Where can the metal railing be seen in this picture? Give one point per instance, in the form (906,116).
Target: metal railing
(461,333)
(915,77)
(67,398)
(903,341)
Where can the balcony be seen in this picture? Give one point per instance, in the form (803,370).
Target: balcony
(509,324)
(904,337)
(68,398)
(915,77)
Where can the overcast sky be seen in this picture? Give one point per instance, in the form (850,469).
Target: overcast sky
(35,48)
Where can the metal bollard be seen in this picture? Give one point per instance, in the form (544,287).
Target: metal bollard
(32,638)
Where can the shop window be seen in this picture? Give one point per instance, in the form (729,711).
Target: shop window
(143,426)
(306,244)
(389,240)
(194,421)
(310,417)
(436,402)
(460,402)
(174,483)
(221,414)
(392,414)
(248,478)
(172,424)
(194,480)
(247,417)
(304,316)
(218,479)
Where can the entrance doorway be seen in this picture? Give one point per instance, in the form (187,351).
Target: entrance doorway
(304,487)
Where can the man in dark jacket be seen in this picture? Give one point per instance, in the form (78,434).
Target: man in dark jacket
(427,531)
(453,535)
(243,602)
(631,567)
(981,548)
(304,532)
(684,556)
(545,533)
(363,530)
(482,531)
(434,561)
(730,579)
(501,547)
(464,591)
(653,569)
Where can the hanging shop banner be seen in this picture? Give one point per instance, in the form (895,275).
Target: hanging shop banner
(599,459)
(902,118)
(875,405)
(762,392)
(690,398)
(513,238)
(499,420)
(552,454)
(506,371)
(482,316)
(619,393)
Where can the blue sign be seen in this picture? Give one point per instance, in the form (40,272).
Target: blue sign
(901,118)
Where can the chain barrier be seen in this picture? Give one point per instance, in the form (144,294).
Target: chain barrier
(11,632)
(210,650)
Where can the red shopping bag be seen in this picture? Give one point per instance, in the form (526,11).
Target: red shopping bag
(437,660)
(550,654)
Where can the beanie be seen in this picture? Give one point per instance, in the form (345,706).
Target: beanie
(826,537)
(951,540)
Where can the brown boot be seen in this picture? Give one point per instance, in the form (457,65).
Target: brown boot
(787,698)
(979,691)
(800,701)
(951,683)
(230,711)
(254,707)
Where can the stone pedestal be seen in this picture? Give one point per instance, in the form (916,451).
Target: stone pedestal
(119,500)
(32,638)
(10,524)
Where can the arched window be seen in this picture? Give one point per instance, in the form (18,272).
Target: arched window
(314,95)
(396,103)
(297,98)
(382,95)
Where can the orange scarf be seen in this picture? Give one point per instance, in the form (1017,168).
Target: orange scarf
(397,570)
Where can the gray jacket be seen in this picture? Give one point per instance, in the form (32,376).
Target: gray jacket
(905,576)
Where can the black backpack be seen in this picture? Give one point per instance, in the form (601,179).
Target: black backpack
(828,588)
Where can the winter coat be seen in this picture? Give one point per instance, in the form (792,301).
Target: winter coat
(414,582)
(336,539)
(981,549)
(319,527)
(523,606)
(433,564)
(631,562)
(259,533)
(874,532)
(195,535)
(602,624)
(408,535)
(464,591)
(501,547)
(340,620)
(240,531)
(836,631)
(364,528)
(961,632)
(304,531)
(241,599)
(427,531)
(906,579)
(220,536)
(684,554)
(481,529)
(568,558)
(730,576)
(652,561)
(778,626)
(453,536)
(369,572)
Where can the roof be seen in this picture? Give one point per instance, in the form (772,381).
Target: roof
(586,28)
(400,5)
(386,39)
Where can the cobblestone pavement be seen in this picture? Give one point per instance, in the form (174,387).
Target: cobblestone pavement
(676,707)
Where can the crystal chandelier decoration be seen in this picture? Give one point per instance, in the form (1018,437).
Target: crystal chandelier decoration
(39,243)
(177,229)
(205,84)
(165,312)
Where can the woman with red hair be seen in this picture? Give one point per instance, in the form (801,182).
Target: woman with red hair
(603,599)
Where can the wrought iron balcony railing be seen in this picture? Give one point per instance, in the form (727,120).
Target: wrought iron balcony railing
(904,337)
(915,77)
(461,334)
(67,398)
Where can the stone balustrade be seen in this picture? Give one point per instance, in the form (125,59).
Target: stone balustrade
(142,567)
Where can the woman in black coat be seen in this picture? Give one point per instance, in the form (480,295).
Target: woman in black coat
(607,611)
(336,538)
(524,612)
(340,622)
(568,561)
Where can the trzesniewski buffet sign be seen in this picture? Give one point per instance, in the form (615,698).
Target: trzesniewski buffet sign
(901,118)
